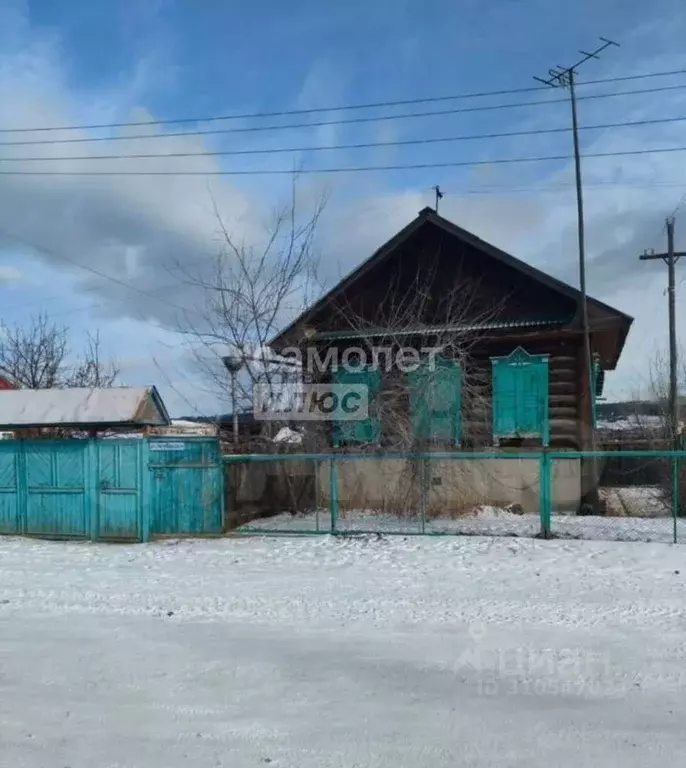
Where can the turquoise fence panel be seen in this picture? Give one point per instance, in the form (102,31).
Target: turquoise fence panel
(10,521)
(543,493)
(119,489)
(56,488)
(186,485)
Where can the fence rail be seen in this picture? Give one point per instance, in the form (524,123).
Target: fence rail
(515,493)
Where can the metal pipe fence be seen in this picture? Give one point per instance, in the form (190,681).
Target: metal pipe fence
(546,494)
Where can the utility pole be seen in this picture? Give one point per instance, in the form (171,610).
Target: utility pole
(564,77)
(670,258)
(439,196)
(233,365)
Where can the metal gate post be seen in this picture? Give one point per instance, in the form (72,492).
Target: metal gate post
(675,496)
(545,493)
(22,487)
(92,489)
(423,490)
(333,493)
(144,489)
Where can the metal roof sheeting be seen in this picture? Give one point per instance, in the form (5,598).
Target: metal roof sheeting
(183,427)
(437,329)
(126,406)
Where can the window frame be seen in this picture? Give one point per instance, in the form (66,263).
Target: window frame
(519,359)
(340,427)
(455,411)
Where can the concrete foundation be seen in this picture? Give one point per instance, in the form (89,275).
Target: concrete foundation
(393,486)
(453,485)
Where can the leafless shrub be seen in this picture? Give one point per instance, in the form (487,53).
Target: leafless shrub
(37,355)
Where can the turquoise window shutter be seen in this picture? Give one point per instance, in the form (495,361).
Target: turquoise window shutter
(420,411)
(531,386)
(435,401)
(364,430)
(520,396)
(505,397)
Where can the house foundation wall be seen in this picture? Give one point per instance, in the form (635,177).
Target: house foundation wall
(453,486)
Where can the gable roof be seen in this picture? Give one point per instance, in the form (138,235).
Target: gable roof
(82,407)
(429,216)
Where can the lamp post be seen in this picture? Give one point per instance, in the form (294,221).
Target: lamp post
(233,365)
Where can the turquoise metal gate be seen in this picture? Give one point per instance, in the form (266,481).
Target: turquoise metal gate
(119,489)
(10,518)
(111,489)
(187,485)
(56,488)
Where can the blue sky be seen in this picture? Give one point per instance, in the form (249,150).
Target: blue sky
(64,62)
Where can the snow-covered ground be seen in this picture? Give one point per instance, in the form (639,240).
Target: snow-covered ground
(484,521)
(342,652)
(637,501)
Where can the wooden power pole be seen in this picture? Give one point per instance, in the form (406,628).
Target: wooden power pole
(670,258)
(564,77)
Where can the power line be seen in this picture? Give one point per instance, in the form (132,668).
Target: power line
(671,257)
(339,108)
(343,121)
(485,189)
(351,169)
(566,77)
(482,189)
(360,145)
(678,206)
(20,305)
(91,270)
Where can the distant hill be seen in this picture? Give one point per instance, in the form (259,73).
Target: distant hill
(622,410)
(220,418)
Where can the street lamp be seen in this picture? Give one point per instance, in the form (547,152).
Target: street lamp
(233,365)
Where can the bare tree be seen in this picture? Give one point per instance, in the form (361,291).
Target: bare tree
(90,369)
(646,426)
(33,355)
(652,428)
(252,289)
(410,328)
(37,356)
(419,338)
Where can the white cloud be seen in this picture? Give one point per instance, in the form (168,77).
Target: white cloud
(9,274)
(135,229)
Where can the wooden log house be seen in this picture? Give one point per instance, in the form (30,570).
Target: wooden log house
(516,339)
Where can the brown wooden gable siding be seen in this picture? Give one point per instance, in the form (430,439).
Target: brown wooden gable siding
(431,257)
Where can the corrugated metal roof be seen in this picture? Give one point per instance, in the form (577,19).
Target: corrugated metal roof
(131,406)
(433,329)
(180,427)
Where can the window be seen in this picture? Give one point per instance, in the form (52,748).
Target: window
(362,430)
(435,400)
(520,396)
